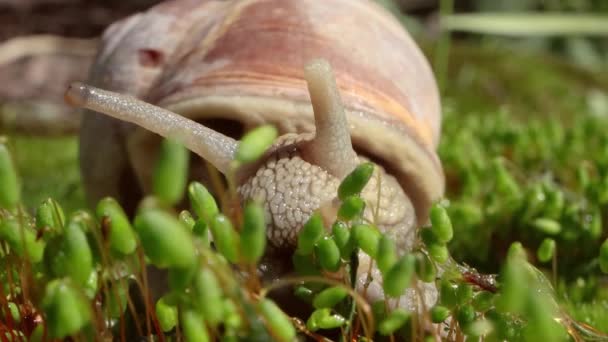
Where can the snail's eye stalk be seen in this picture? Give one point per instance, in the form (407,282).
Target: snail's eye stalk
(331,148)
(77,95)
(214,147)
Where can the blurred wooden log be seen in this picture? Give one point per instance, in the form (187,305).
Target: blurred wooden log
(38,60)
(45,44)
(34,73)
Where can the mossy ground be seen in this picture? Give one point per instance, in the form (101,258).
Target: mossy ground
(492,96)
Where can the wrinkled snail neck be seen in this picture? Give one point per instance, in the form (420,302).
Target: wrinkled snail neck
(331,148)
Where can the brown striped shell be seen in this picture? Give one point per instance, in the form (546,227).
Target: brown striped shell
(243,61)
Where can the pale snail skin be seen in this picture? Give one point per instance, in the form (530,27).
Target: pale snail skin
(301,172)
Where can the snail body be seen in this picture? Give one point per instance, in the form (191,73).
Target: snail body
(234,65)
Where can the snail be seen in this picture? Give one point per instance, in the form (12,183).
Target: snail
(341,80)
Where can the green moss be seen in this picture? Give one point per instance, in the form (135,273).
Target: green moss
(484,77)
(48,167)
(523,142)
(590,317)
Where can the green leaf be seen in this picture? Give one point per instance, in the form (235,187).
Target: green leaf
(439,314)
(328,254)
(425,268)
(441,224)
(225,238)
(439,253)
(393,321)
(342,237)
(387,253)
(547,226)
(50,217)
(329,297)
(186,219)
(465,315)
(193,327)
(464,293)
(253,144)
(171,172)
(277,321)
(355,181)
(65,308)
(483,301)
(10,195)
(166,314)
(399,277)
(121,235)
(208,296)
(309,234)
(367,238)
(70,254)
(118,297)
(447,292)
(165,240)
(253,234)
(546,250)
(351,208)
(180,278)
(22,239)
(202,202)
(324,319)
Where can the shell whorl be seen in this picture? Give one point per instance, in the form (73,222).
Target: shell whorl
(244,60)
(256,53)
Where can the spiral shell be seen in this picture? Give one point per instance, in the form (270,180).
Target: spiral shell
(243,61)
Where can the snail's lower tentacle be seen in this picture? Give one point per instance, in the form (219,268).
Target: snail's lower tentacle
(213,146)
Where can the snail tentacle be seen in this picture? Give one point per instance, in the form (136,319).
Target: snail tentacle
(214,147)
(332,147)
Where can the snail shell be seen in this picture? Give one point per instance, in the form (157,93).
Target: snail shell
(243,61)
